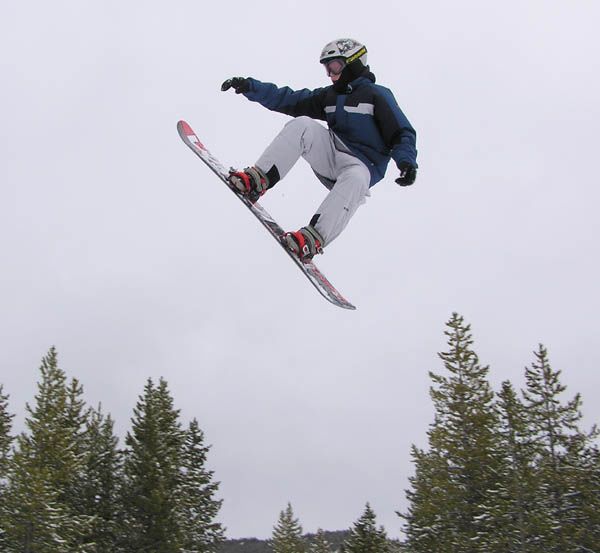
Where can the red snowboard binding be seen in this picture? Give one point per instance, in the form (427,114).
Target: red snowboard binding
(250,182)
(305,243)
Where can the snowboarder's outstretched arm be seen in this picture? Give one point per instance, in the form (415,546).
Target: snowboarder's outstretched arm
(310,103)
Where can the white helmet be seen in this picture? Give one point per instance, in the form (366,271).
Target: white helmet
(347,48)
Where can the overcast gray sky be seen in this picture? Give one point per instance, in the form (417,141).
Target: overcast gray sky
(121,249)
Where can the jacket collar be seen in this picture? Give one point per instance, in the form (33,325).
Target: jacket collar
(349,81)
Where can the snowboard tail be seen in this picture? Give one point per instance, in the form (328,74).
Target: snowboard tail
(310,270)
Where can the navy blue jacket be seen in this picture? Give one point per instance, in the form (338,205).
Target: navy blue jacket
(366,118)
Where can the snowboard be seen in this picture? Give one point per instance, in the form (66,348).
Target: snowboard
(310,270)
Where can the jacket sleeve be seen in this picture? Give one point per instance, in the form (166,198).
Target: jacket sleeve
(395,128)
(285,100)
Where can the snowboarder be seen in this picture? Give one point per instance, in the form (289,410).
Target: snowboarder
(366,130)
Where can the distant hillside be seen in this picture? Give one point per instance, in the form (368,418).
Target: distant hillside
(253,545)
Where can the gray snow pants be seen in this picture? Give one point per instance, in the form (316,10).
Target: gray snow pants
(346,176)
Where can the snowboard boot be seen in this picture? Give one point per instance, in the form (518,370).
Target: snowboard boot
(251,182)
(305,243)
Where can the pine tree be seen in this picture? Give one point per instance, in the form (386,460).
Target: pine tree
(37,519)
(287,533)
(561,450)
(75,421)
(452,479)
(428,525)
(5,444)
(197,506)
(510,507)
(102,481)
(45,469)
(151,474)
(365,537)
(319,544)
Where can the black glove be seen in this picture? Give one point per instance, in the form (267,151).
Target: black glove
(408,174)
(239,84)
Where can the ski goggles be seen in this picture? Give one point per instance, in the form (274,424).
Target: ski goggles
(334,66)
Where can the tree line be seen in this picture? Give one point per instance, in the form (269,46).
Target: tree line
(504,471)
(66,487)
(365,536)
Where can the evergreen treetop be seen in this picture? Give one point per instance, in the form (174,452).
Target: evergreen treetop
(198,507)
(365,537)
(319,544)
(287,533)
(46,470)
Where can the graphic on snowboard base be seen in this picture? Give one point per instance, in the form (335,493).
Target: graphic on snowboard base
(310,270)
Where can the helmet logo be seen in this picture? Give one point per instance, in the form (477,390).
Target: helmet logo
(346,45)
